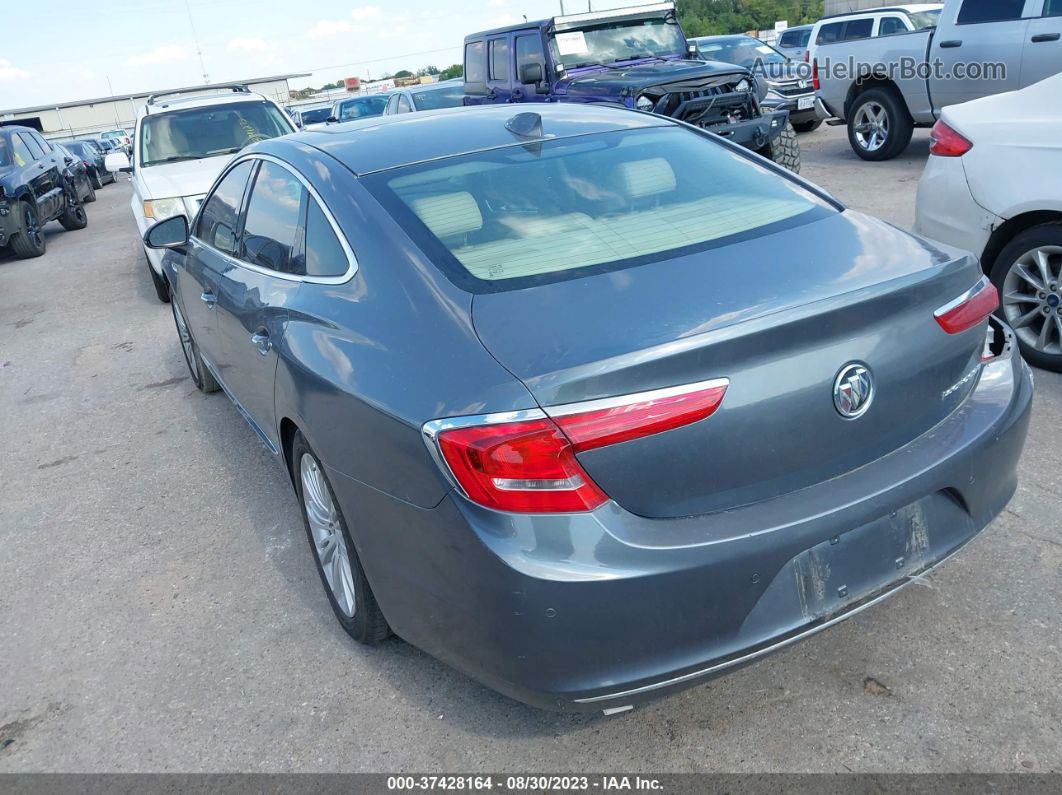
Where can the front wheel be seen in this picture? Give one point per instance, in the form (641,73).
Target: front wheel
(879,126)
(784,149)
(338,565)
(1028,275)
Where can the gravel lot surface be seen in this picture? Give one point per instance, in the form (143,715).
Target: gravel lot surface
(159,610)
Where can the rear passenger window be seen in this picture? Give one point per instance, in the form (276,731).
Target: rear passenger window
(499,59)
(1053,8)
(858,29)
(19,151)
(890,25)
(474,63)
(272,218)
(324,254)
(974,11)
(829,33)
(35,148)
(217,220)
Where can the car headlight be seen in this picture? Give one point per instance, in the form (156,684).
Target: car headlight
(161,209)
(644,102)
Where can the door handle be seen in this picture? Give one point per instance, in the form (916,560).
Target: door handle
(209,298)
(1045,37)
(261,341)
(951,43)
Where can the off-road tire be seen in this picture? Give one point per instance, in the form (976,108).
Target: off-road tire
(24,245)
(784,149)
(368,624)
(74,216)
(901,125)
(808,126)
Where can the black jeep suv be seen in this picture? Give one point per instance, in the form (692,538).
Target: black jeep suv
(34,190)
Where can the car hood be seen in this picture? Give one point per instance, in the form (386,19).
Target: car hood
(643,75)
(186,178)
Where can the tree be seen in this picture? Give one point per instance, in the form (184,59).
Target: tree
(426,71)
(714,17)
(450,72)
(403,73)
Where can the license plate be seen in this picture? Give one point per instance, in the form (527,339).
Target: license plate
(804,103)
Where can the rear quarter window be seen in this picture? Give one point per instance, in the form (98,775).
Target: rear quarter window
(510,218)
(475,63)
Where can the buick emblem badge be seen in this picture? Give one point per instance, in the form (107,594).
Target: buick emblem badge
(853,390)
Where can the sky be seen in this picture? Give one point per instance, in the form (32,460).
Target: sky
(66,51)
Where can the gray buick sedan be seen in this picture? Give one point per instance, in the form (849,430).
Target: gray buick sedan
(588,403)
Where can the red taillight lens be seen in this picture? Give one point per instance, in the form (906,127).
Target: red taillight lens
(530,466)
(815,75)
(807,55)
(945,142)
(969,309)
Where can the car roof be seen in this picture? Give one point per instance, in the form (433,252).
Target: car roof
(385,142)
(183,102)
(726,37)
(908,9)
(420,89)
(797,27)
(537,24)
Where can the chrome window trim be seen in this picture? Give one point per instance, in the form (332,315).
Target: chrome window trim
(352,262)
(636,397)
(982,283)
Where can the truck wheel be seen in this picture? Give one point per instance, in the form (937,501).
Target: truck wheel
(1028,275)
(73,216)
(29,240)
(808,126)
(879,126)
(784,149)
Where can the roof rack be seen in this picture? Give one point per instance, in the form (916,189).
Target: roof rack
(894,9)
(236,88)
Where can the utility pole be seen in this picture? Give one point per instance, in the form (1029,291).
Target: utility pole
(195,38)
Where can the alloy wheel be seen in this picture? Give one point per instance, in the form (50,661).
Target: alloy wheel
(328,540)
(186,341)
(871,125)
(31,227)
(1032,299)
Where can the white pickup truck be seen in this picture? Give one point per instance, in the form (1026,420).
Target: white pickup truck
(883,87)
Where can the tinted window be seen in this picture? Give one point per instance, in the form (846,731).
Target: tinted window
(1053,8)
(272,218)
(446,97)
(20,153)
(324,255)
(529,50)
(499,59)
(858,29)
(316,115)
(362,108)
(829,33)
(989,11)
(890,25)
(217,220)
(36,150)
(474,72)
(520,215)
(47,147)
(789,39)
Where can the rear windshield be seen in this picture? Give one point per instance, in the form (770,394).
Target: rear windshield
(209,131)
(537,213)
(316,115)
(449,97)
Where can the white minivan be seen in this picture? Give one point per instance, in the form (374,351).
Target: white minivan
(180,145)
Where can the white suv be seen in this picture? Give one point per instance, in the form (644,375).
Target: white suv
(181,144)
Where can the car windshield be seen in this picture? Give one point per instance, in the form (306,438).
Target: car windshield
(114,134)
(443,97)
(617,41)
(925,19)
(527,214)
(316,115)
(362,108)
(744,51)
(208,132)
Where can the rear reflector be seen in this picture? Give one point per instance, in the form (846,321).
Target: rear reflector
(528,465)
(815,83)
(945,142)
(969,309)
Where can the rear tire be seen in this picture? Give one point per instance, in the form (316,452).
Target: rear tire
(808,126)
(202,377)
(879,126)
(1039,332)
(95,181)
(29,241)
(74,216)
(333,549)
(784,149)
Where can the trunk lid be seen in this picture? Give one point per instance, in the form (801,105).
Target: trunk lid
(779,316)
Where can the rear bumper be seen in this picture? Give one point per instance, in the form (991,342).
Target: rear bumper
(945,209)
(791,105)
(603,610)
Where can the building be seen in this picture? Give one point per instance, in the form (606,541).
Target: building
(92,116)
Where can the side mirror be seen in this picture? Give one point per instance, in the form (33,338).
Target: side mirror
(117,161)
(171,233)
(530,73)
(68,160)
(331,120)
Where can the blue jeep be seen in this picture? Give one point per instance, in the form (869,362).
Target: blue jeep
(635,57)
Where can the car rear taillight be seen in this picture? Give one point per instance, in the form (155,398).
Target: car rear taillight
(945,142)
(807,55)
(815,75)
(970,308)
(528,465)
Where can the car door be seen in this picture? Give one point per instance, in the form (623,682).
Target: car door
(499,67)
(1042,53)
(253,295)
(43,178)
(981,32)
(211,251)
(528,48)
